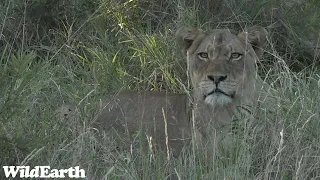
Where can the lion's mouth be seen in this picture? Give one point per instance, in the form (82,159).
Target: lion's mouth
(219,91)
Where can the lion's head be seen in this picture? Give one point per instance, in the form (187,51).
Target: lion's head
(222,65)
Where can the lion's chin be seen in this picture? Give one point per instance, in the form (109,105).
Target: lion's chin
(217,99)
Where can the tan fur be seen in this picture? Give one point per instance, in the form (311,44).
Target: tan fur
(157,115)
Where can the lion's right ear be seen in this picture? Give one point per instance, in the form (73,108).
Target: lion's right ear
(186,36)
(256,36)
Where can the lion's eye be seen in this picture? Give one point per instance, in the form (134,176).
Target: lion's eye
(236,56)
(203,55)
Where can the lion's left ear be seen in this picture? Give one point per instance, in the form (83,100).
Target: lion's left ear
(256,36)
(187,36)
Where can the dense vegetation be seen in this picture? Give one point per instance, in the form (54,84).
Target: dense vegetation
(75,51)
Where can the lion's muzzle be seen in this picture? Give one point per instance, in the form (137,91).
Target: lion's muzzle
(218,90)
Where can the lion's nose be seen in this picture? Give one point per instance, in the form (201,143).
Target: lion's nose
(217,79)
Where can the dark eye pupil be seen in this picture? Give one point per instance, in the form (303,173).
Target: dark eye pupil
(203,55)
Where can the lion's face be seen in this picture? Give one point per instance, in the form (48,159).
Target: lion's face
(222,65)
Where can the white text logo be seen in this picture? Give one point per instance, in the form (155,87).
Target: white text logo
(43,172)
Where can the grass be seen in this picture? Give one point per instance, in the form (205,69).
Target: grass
(92,48)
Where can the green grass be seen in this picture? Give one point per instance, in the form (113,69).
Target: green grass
(80,50)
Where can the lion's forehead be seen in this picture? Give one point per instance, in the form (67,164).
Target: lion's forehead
(220,40)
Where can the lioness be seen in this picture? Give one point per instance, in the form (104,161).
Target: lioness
(222,69)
